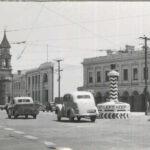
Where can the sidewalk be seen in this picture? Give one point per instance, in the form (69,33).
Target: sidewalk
(138,113)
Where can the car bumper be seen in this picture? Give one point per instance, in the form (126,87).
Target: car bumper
(86,115)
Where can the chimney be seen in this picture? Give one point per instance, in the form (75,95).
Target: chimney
(129,48)
(109,52)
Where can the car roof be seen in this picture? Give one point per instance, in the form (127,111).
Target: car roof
(16,98)
(75,93)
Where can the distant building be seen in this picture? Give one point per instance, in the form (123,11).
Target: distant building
(37,83)
(5,71)
(130,65)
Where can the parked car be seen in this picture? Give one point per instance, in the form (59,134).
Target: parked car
(2,107)
(41,107)
(78,105)
(22,106)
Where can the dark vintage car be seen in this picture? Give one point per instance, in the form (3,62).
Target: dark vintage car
(22,106)
(50,107)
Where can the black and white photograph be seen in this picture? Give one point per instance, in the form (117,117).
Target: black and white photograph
(74,75)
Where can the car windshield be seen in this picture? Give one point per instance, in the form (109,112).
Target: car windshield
(83,97)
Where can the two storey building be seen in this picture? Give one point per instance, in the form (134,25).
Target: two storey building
(36,83)
(131,66)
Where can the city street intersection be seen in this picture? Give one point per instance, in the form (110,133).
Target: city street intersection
(46,132)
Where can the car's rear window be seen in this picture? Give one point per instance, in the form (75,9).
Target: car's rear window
(83,97)
(23,100)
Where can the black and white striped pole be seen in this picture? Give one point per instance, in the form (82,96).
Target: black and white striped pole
(113,79)
(113,109)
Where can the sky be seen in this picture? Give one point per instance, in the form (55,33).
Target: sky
(70,31)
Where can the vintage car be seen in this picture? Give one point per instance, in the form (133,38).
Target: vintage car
(78,105)
(22,106)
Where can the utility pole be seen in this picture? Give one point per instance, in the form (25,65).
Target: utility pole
(146,74)
(12,76)
(59,70)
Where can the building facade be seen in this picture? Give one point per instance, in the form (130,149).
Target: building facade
(36,83)
(131,66)
(5,71)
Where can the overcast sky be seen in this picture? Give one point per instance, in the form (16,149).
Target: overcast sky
(72,31)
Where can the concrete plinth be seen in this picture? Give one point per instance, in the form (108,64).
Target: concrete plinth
(114,110)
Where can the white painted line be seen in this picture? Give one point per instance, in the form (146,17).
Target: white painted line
(50,144)
(19,132)
(31,137)
(84,126)
(9,129)
(63,148)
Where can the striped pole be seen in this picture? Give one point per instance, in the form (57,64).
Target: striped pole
(113,78)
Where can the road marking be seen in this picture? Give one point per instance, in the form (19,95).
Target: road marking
(19,132)
(31,137)
(85,126)
(9,129)
(49,144)
(63,148)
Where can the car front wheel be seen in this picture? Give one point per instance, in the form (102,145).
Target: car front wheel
(78,118)
(15,116)
(34,116)
(71,118)
(58,116)
(93,119)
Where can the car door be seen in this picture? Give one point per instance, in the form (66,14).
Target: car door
(65,105)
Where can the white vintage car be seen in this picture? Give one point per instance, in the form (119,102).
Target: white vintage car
(78,104)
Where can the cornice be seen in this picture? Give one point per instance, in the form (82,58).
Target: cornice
(119,57)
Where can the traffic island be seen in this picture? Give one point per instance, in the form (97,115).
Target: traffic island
(113,109)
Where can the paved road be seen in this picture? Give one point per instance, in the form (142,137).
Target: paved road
(46,131)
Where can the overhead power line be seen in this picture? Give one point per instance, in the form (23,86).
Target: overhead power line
(37,17)
(78,24)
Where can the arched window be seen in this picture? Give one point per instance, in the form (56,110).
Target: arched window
(45,78)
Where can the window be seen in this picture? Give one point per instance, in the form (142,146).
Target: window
(144,73)
(125,74)
(28,82)
(83,97)
(36,79)
(20,100)
(98,76)
(118,76)
(32,80)
(135,74)
(90,77)
(45,78)
(39,79)
(106,76)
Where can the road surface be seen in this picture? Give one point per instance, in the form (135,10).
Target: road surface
(46,132)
